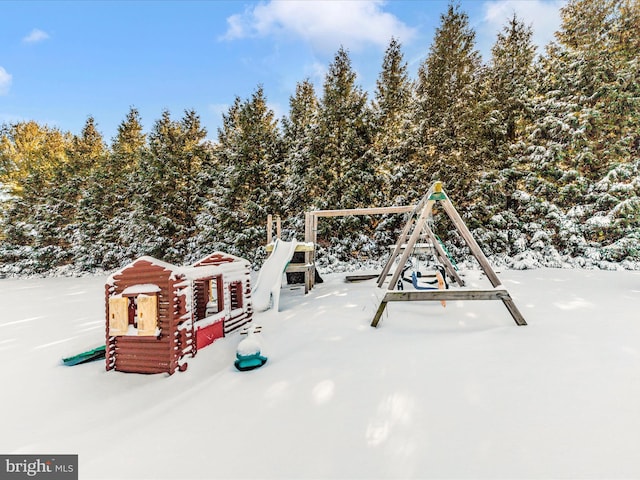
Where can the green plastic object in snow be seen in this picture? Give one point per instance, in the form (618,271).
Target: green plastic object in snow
(249,362)
(84,357)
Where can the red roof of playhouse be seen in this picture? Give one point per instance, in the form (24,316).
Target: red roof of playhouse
(218,258)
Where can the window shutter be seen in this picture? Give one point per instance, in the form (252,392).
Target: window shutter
(147,314)
(118,316)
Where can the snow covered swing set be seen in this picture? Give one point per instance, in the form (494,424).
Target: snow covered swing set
(417,227)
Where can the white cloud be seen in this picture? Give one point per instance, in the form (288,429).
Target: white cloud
(542,15)
(36,36)
(5,81)
(218,109)
(325,25)
(316,71)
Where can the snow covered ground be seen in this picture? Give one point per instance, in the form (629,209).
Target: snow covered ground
(455,392)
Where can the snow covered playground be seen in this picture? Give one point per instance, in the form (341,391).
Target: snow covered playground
(460,391)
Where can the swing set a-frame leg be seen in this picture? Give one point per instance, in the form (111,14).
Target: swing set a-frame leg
(513,310)
(378,315)
(404,236)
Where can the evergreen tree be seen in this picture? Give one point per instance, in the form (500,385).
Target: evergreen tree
(585,130)
(298,131)
(87,149)
(167,200)
(31,154)
(392,143)
(508,92)
(87,153)
(341,174)
(130,139)
(34,170)
(250,153)
(106,203)
(509,83)
(392,129)
(213,184)
(447,116)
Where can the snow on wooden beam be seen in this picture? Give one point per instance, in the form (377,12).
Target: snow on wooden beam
(440,295)
(363,211)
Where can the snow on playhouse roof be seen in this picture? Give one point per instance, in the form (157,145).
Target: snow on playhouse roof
(215,264)
(144,258)
(141,288)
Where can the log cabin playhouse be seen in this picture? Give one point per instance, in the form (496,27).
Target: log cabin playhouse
(159,314)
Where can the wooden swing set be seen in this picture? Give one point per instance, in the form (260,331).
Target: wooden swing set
(417,226)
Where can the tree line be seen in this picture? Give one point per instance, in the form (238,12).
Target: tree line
(539,151)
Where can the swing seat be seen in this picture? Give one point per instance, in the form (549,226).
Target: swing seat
(417,286)
(442,284)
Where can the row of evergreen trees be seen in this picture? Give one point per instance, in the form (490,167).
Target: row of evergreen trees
(539,153)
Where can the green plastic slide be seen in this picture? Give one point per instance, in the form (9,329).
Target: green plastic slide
(89,356)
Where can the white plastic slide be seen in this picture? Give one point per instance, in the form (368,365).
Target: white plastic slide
(266,292)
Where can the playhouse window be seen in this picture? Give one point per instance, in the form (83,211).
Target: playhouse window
(235,289)
(215,302)
(133,314)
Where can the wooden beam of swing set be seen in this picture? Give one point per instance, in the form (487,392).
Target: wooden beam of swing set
(362,211)
(416,224)
(311,221)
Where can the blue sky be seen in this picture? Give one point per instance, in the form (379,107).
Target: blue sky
(61,62)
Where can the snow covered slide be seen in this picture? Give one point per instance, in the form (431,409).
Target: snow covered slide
(266,292)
